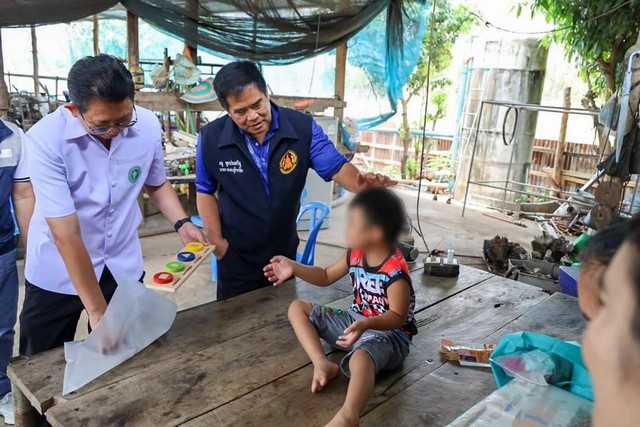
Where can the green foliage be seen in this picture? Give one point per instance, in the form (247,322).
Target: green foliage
(449,23)
(412,168)
(595,42)
(439,163)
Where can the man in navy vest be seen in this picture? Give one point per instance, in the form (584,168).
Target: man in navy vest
(251,168)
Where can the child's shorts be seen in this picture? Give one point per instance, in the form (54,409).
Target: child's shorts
(388,349)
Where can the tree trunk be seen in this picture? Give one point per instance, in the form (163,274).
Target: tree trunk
(406,138)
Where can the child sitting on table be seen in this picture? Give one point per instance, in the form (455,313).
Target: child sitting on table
(377,329)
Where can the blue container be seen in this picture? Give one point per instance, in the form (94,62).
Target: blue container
(569,280)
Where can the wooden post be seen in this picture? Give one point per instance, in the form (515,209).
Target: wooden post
(132,40)
(562,137)
(339,84)
(36,67)
(4,92)
(192,10)
(96,36)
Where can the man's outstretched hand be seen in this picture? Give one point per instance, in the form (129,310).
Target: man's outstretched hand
(367,180)
(279,270)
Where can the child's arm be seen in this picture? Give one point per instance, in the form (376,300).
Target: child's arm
(282,268)
(399,294)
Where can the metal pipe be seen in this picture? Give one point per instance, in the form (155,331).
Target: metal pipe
(473,156)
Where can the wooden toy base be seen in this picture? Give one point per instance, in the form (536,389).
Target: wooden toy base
(181,277)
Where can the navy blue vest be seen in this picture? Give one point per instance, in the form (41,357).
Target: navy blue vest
(253,223)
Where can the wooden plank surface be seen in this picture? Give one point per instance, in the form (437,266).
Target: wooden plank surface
(474,314)
(225,341)
(169,375)
(40,377)
(442,395)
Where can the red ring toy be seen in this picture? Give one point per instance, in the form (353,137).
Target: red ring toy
(163,278)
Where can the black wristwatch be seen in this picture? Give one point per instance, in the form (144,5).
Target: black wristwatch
(180,223)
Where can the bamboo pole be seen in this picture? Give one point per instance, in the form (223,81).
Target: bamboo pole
(562,137)
(36,67)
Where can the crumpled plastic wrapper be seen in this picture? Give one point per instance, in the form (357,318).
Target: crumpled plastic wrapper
(135,318)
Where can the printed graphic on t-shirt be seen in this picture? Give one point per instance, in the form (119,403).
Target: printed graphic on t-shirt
(370,286)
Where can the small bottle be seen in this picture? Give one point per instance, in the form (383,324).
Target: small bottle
(449,256)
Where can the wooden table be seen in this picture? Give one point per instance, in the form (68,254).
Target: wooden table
(237,362)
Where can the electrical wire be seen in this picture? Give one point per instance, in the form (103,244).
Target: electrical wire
(554,30)
(424,129)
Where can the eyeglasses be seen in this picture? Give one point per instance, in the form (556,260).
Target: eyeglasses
(106,129)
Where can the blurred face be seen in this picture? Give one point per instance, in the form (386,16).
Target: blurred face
(589,281)
(611,351)
(104,119)
(251,111)
(359,233)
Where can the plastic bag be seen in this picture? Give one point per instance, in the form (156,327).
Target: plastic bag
(522,403)
(572,375)
(135,317)
(537,366)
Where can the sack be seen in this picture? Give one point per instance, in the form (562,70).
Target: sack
(135,317)
(570,372)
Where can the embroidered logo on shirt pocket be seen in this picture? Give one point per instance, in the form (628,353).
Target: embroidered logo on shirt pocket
(134,174)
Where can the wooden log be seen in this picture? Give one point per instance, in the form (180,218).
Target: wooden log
(133,49)
(472,314)
(25,413)
(562,137)
(165,101)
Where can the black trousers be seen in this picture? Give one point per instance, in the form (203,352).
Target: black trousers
(239,273)
(49,319)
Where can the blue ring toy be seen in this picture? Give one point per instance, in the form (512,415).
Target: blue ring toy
(186,256)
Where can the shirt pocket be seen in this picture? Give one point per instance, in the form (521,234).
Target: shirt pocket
(135,168)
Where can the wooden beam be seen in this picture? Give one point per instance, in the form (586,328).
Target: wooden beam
(36,67)
(165,101)
(133,55)
(96,36)
(562,138)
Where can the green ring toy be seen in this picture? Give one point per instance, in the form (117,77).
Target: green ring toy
(175,267)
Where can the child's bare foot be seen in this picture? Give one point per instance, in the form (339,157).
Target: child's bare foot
(322,374)
(343,419)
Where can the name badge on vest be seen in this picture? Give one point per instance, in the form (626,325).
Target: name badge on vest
(6,153)
(230,166)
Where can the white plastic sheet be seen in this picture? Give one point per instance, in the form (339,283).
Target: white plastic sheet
(135,317)
(523,403)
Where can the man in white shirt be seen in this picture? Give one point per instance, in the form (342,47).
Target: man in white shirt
(88,162)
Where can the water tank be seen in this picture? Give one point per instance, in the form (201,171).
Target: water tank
(503,70)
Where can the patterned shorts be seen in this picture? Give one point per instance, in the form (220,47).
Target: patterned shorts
(388,349)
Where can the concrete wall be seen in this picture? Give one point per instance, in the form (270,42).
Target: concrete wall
(513,70)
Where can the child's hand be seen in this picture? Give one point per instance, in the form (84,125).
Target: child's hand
(352,334)
(279,270)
